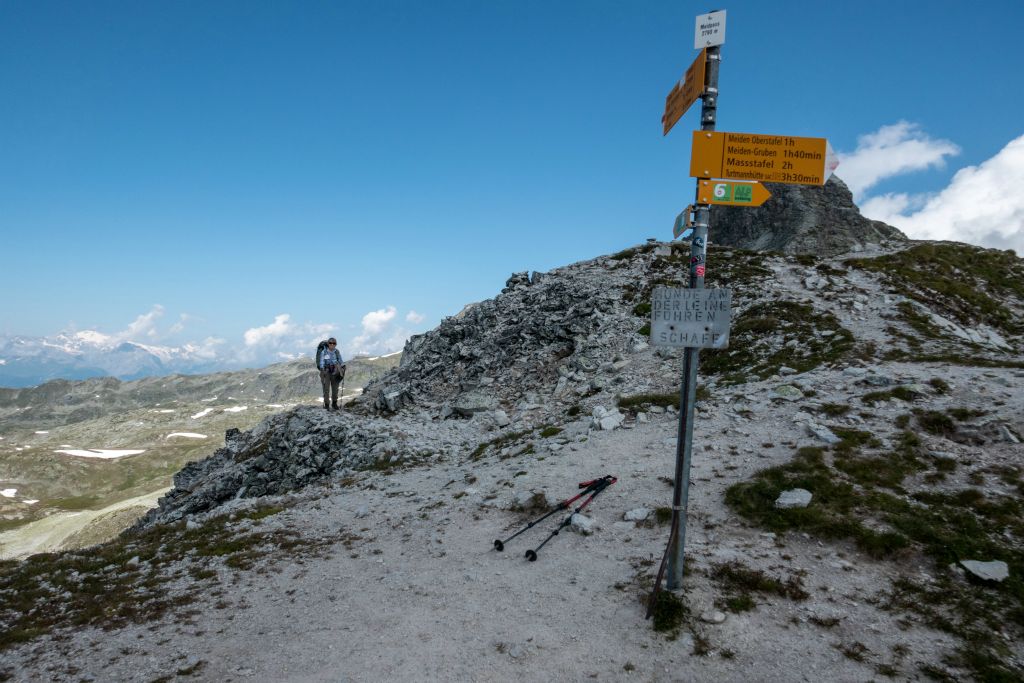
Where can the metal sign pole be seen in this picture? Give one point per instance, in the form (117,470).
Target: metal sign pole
(688,390)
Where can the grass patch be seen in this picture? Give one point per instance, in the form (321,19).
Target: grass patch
(965,283)
(548,431)
(642,309)
(902,393)
(965,414)
(647,400)
(631,252)
(940,385)
(754,348)
(934,422)
(663,515)
(831,514)
(739,603)
(946,526)
(738,579)
(834,409)
(497,443)
(669,612)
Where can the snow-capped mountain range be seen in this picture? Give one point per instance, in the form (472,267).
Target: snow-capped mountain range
(27,361)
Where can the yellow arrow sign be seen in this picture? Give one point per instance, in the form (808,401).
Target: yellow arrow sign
(732,193)
(766,158)
(685,92)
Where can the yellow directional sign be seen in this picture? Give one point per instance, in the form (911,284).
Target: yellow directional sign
(766,158)
(685,92)
(732,193)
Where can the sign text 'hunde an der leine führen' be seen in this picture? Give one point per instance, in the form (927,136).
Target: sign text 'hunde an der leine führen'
(696,318)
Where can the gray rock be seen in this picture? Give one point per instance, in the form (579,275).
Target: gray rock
(637,515)
(712,616)
(853,371)
(788,392)
(784,370)
(612,420)
(823,433)
(995,570)
(362,511)
(501,418)
(793,498)
(473,402)
(582,524)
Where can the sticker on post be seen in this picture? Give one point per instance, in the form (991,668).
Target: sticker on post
(691,318)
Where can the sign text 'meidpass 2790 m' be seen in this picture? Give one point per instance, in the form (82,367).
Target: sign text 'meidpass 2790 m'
(697,318)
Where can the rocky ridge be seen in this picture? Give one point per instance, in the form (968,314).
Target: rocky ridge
(840,381)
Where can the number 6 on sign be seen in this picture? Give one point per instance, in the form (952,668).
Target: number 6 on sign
(722,191)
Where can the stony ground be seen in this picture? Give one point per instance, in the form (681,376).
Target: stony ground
(410,588)
(379,564)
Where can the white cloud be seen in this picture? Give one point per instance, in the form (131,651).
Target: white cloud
(207,349)
(272,332)
(374,322)
(414,317)
(982,205)
(142,326)
(890,151)
(379,335)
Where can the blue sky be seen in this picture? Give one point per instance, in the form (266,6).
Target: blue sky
(254,174)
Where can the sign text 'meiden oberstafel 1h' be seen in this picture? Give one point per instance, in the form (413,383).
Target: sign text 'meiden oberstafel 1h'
(765,158)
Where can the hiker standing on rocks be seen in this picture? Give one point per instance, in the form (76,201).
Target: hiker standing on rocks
(332,371)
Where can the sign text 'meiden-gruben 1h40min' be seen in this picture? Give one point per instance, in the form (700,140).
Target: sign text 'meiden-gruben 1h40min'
(765,158)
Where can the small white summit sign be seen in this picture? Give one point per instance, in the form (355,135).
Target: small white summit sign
(696,318)
(709,30)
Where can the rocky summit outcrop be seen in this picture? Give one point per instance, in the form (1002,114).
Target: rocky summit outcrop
(802,219)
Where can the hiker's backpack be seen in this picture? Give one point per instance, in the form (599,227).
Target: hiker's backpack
(319,350)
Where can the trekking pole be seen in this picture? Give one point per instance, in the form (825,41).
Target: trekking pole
(601,485)
(587,486)
(341,395)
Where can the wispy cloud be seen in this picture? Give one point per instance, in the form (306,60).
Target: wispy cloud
(414,317)
(143,328)
(379,334)
(982,205)
(890,151)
